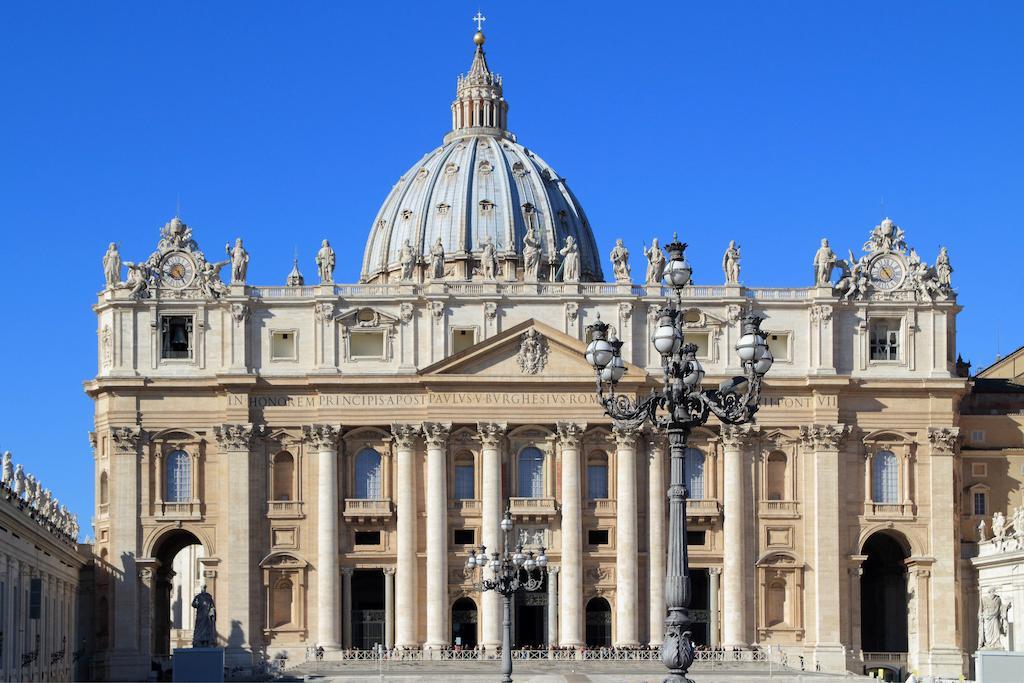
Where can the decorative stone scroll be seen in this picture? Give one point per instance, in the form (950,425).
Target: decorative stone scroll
(944,439)
(821,313)
(323,437)
(126,440)
(324,311)
(823,436)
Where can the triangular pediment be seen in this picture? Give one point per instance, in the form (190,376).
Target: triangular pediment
(530,350)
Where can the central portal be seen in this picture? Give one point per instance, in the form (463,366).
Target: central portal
(367,608)
(530,618)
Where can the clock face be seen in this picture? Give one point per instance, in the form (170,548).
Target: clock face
(177,270)
(887,273)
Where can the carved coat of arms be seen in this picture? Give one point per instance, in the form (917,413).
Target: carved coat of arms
(533,352)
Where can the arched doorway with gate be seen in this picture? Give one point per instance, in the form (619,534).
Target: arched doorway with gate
(464,623)
(599,623)
(883,593)
(176,582)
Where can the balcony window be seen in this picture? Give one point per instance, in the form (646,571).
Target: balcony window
(531,473)
(284,476)
(368,475)
(885,480)
(179,477)
(694,473)
(597,477)
(464,476)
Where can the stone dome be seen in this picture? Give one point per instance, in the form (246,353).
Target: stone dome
(480,186)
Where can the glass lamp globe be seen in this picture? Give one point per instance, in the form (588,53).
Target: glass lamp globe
(518,559)
(542,561)
(764,363)
(495,565)
(599,353)
(694,372)
(679,272)
(751,347)
(530,564)
(614,371)
(506,524)
(666,338)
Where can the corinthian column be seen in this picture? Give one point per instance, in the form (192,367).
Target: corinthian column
(124,530)
(626,593)
(656,537)
(406,598)
(324,439)
(233,442)
(436,437)
(571,618)
(734,627)
(491,435)
(823,441)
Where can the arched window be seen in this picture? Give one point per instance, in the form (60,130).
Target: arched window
(597,476)
(531,473)
(775,479)
(885,480)
(281,605)
(776,607)
(368,475)
(103,488)
(179,477)
(284,476)
(465,488)
(694,467)
(599,623)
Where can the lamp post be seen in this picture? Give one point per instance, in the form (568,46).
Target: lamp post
(681,405)
(510,572)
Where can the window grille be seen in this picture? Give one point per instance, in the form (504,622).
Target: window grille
(886,482)
(597,481)
(368,475)
(531,473)
(979,504)
(463,482)
(179,477)
(694,469)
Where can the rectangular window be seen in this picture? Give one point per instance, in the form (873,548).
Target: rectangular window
(464,537)
(778,344)
(884,338)
(597,481)
(696,537)
(701,340)
(464,482)
(978,435)
(176,336)
(366,344)
(282,345)
(979,469)
(597,536)
(979,504)
(367,538)
(462,340)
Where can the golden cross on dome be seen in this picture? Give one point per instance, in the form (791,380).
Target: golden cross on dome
(479,19)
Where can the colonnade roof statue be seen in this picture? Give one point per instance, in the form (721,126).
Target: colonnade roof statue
(28,493)
(480,190)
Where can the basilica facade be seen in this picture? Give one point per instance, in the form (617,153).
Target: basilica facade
(326,455)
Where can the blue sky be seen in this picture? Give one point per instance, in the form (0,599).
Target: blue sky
(774,124)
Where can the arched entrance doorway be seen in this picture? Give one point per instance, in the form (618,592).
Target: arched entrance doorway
(599,623)
(178,578)
(464,621)
(883,594)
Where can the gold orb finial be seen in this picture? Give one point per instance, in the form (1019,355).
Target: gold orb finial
(478,39)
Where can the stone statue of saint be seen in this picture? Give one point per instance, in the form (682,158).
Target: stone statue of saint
(998,526)
(74,526)
(239,262)
(204,633)
(407,260)
(620,262)
(655,263)
(437,260)
(112,266)
(325,263)
(731,264)
(570,268)
(943,271)
(992,621)
(531,255)
(488,258)
(1018,521)
(8,469)
(138,278)
(824,262)
(32,491)
(981,531)
(19,481)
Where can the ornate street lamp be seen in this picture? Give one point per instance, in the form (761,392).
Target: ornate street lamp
(510,572)
(681,405)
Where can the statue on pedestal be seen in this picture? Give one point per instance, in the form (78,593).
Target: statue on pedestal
(570,267)
(943,271)
(655,263)
(19,481)
(112,266)
(620,262)
(8,469)
(407,260)
(239,262)
(325,263)
(488,259)
(981,531)
(531,255)
(992,621)
(204,633)
(998,526)
(731,264)
(824,262)
(437,260)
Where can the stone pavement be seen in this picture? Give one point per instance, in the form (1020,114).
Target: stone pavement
(552,672)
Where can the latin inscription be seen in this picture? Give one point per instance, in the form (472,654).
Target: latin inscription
(798,402)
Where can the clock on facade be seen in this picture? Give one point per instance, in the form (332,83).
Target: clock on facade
(177,270)
(887,272)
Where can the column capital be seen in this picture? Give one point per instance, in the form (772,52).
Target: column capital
(346,571)
(736,436)
(236,437)
(404,435)
(127,440)
(389,571)
(554,569)
(714,571)
(570,433)
(944,439)
(323,437)
(823,436)
(625,436)
(490,434)
(436,434)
